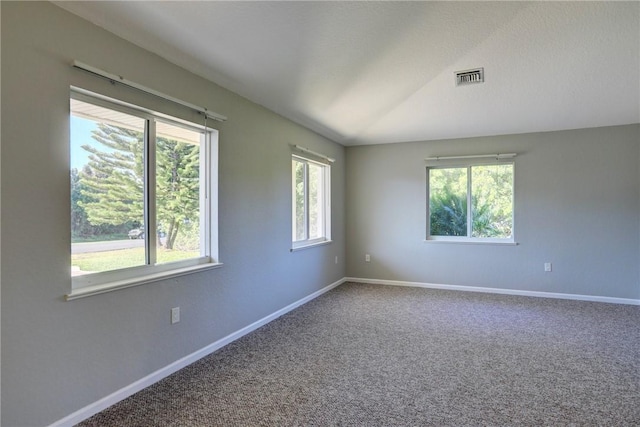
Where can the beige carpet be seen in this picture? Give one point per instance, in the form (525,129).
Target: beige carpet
(369,355)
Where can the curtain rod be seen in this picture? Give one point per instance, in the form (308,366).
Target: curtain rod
(479,156)
(119,79)
(315,153)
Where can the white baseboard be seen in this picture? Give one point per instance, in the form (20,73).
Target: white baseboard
(123,393)
(496,291)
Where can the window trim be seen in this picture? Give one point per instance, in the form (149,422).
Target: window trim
(115,285)
(101,282)
(326,234)
(469,162)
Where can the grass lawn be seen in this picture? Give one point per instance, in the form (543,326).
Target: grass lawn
(123,258)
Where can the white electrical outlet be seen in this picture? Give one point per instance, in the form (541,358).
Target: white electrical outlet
(547,267)
(175,315)
(367,258)
(336,259)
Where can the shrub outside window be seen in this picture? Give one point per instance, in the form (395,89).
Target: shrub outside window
(472,203)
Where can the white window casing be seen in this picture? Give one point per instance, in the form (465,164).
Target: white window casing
(151,271)
(323,209)
(468,162)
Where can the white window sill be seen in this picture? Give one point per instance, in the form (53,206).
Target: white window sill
(300,247)
(473,242)
(136,281)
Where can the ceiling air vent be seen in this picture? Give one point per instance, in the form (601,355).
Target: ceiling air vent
(469,76)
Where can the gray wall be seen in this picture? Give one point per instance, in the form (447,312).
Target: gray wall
(576,205)
(57,356)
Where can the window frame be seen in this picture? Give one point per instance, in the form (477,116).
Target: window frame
(326,206)
(100,282)
(469,164)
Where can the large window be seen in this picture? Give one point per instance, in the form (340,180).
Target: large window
(311,202)
(470,203)
(142,197)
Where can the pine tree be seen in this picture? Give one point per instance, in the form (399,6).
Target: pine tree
(177,186)
(113,181)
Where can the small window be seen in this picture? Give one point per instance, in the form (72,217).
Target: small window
(472,203)
(311,202)
(141,193)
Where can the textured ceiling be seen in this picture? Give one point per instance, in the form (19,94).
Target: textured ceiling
(383,72)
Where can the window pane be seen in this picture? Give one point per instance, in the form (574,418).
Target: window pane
(492,200)
(316,201)
(299,216)
(178,193)
(448,202)
(107,185)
